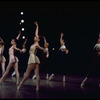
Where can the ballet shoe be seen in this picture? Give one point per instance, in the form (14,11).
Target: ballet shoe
(51,77)
(19,86)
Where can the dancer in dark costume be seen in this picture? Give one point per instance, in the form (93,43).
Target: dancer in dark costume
(96,59)
(62,56)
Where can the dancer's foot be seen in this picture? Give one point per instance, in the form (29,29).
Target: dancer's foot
(64,79)
(19,86)
(51,77)
(83,82)
(34,77)
(13,74)
(47,77)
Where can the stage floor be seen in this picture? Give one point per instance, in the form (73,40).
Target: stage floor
(54,89)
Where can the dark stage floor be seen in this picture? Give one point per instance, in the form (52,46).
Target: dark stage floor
(54,89)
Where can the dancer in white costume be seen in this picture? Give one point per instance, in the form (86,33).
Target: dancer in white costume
(96,58)
(44,58)
(23,51)
(33,62)
(13,60)
(2,58)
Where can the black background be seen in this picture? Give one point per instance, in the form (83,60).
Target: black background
(78,20)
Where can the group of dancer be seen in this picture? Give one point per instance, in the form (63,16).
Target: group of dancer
(33,61)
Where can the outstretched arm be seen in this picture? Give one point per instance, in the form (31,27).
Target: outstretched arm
(17,49)
(1,39)
(24,43)
(44,39)
(37,29)
(41,48)
(17,38)
(61,37)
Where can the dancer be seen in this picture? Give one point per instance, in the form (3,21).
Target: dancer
(2,58)
(33,61)
(23,51)
(45,56)
(96,59)
(62,56)
(13,60)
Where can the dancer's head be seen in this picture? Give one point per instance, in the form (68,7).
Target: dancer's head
(1,43)
(98,41)
(46,45)
(36,39)
(13,41)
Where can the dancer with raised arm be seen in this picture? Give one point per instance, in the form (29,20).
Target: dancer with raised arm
(2,58)
(96,59)
(33,62)
(13,60)
(23,51)
(62,56)
(44,60)
(63,51)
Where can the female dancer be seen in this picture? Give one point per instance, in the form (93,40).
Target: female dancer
(23,51)
(13,60)
(96,59)
(2,58)
(62,56)
(33,61)
(44,58)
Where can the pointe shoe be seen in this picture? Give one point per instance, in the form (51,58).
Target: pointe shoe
(34,77)
(19,86)
(13,74)
(51,77)
(64,79)
(83,83)
(47,77)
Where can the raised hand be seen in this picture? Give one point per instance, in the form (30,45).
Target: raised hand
(36,23)
(62,34)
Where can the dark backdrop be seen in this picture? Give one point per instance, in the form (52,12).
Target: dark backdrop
(78,20)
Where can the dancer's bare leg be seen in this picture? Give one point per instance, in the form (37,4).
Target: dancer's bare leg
(17,72)
(29,69)
(10,65)
(3,67)
(36,69)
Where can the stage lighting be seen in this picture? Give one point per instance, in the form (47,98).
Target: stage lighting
(22,13)
(53,48)
(22,21)
(22,29)
(23,37)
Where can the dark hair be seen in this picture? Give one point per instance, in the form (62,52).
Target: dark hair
(15,40)
(2,43)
